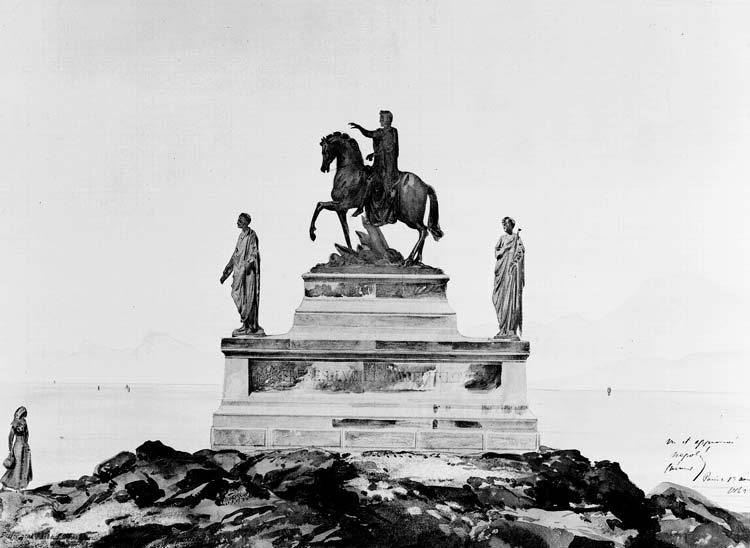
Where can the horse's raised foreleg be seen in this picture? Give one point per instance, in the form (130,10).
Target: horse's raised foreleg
(340,210)
(331,206)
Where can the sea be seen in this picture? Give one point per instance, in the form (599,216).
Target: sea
(696,439)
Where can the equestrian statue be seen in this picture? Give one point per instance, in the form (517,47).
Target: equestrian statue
(385,194)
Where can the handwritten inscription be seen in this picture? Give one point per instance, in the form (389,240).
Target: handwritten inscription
(693,456)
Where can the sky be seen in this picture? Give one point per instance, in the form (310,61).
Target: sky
(133,133)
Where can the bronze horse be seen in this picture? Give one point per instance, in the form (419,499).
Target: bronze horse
(350,191)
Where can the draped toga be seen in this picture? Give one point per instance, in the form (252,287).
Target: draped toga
(509,282)
(385,148)
(246,278)
(381,207)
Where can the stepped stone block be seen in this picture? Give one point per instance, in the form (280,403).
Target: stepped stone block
(374,360)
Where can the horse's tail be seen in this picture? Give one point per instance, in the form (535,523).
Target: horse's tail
(433,221)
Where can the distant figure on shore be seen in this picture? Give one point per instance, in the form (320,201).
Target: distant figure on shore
(127,387)
(18,462)
(244,265)
(609,391)
(97,388)
(509,281)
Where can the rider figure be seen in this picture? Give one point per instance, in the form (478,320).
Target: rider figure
(385,153)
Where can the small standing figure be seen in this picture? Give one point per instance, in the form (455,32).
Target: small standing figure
(245,266)
(509,281)
(18,462)
(385,154)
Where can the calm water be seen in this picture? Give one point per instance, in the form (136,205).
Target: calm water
(74,426)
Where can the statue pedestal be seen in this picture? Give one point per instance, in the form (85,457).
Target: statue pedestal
(374,361)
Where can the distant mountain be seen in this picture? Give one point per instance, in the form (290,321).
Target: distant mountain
(673,317)
(704,372)
(664,336)
(665,318)
(158,358)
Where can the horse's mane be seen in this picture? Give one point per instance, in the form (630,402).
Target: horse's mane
(344,137)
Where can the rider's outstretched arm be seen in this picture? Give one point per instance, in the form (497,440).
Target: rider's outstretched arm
(365,132)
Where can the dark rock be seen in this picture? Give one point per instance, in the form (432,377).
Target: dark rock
(144,492)
(116,518)
(197,476)
(207,454)
(95,496)
(154,450)
(226,459)
(121,462)
(74,483)
(583,542)
(62,499)
(255,489)
(463,496)
(511,534)
(211,482)
(238,515)
(607,484)
(499,496)
(121,496)
(133,537)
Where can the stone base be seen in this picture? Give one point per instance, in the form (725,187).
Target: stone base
(367,427)
(374,361)
(445,441)
(458,396)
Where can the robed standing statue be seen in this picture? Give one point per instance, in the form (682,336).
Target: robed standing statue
(509,280)
(244,265)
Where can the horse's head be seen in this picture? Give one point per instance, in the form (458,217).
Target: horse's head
(328,154)
(341,147)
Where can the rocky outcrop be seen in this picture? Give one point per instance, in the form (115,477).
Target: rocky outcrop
(690,519)
(160,497)
(121,462)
